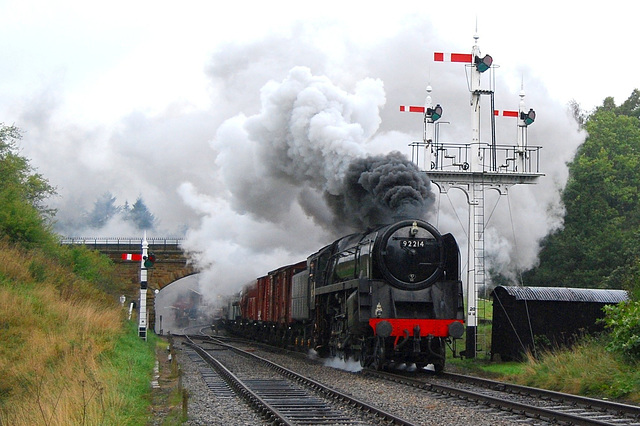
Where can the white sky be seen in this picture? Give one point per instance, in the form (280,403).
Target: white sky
(130,96)
(109,58)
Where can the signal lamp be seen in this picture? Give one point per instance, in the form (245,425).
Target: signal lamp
(529,117)
(483,64)
(149,260)
(435,113)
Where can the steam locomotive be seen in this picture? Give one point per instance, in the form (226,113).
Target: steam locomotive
(392,294)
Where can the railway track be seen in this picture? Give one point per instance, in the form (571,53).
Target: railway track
(290,398)
(533,403)
(519,403)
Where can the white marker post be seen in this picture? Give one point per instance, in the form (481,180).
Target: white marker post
(142,326)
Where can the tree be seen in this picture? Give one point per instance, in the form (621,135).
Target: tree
(141,216)
(24,218)
(16,172)
(578,114)
(631,107)
(598,245)
(104,209)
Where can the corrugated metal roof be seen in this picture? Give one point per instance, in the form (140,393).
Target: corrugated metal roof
(564,294)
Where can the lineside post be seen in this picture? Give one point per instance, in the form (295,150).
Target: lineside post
(142,326)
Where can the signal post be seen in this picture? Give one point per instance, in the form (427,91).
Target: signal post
(476,166)
(146,261)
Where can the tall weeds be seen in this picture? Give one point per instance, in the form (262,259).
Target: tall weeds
(58,339)
(585,369)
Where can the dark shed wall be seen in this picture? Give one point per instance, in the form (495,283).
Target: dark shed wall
(523,316)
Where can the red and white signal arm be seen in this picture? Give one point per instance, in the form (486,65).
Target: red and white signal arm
(412,108)
(133,257)
(505,113)
(466,58)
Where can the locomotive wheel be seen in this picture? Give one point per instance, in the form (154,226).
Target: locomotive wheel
(365,355)
(332,351)
(378,358)
(335,352)
(438,363)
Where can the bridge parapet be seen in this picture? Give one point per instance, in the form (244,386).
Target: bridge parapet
(125,244)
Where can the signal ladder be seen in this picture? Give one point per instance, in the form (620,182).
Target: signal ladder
(482,341)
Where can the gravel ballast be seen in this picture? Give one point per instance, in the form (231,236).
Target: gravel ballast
(208,407)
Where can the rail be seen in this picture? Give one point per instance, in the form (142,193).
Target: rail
(384,416)
(563,408)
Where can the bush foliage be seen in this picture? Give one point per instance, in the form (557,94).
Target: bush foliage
(623,322)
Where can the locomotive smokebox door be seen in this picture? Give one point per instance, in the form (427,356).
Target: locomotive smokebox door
(411,255)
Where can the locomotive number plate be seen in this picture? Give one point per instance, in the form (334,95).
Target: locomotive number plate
(413,242)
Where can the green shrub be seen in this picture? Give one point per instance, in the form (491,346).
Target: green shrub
(623,321)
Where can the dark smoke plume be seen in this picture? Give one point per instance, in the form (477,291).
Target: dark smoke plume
(379,189)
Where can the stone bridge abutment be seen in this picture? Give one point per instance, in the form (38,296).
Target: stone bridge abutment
(171,264)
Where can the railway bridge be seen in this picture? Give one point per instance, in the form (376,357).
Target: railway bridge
(171,264)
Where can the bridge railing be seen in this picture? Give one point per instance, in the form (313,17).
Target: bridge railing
(123,243)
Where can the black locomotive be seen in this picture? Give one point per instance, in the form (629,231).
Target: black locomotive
(389,295)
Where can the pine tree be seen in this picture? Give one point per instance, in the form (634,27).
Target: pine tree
(104,209)
(141,216)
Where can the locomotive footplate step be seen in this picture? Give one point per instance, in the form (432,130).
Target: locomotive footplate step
(297,404)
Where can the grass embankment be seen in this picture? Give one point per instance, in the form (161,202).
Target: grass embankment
(66,356)
(585,369)
(170,400)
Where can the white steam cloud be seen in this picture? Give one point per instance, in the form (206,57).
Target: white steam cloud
(292,149)
(305,135)
(304,153)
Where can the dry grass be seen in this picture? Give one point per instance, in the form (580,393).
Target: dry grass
(54,329)
(587,369)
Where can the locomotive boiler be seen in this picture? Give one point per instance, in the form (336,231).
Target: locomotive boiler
(389,295)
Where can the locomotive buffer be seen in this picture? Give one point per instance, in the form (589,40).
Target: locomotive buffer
(476,167)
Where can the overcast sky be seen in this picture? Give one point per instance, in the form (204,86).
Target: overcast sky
(170,101)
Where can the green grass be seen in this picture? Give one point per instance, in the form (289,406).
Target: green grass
(66,354)
(586,369)
(130,366)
